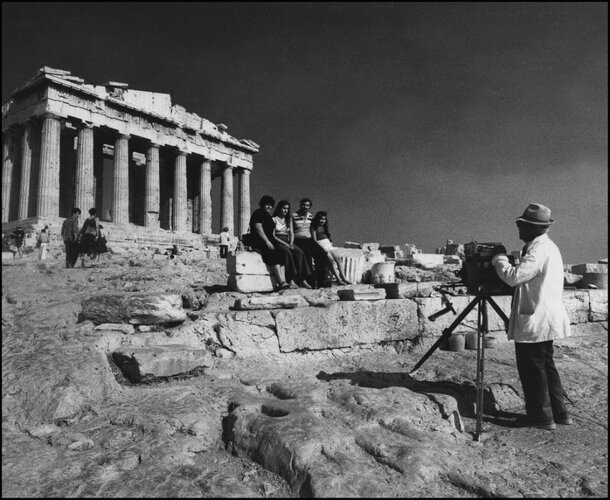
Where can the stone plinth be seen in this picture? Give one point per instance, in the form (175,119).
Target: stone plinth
(272,302)
(134,308)
(137,363)
(247,263)
(352,294)
(250,283)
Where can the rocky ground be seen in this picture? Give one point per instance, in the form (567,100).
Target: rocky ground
(334,424)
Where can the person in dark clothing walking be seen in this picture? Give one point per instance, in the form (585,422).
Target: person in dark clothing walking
(70,230)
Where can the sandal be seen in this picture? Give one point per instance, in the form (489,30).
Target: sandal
(283,286)
(306,285)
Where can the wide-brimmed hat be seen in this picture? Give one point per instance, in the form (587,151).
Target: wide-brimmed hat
(537,214)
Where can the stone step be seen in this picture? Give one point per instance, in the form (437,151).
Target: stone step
(143,363)
(271,302)
(362,294)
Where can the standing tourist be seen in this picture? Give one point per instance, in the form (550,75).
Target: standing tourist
(316,258)
(18,240)
(261,230)
(70,232)
(321,236)
(224,242)
(538,316)
(43,243)
(89,234)
(297,269)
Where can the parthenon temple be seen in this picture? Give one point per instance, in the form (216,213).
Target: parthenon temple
(144,163)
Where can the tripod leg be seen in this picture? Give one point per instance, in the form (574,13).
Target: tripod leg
(481,331)
(447,332)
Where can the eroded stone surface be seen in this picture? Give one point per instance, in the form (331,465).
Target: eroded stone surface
(271,302)
(134,308)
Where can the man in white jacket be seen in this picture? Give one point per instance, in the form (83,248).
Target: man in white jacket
(538,316)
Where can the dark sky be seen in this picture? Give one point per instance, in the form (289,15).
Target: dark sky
(407,122)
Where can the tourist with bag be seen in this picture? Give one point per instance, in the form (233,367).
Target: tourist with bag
(70,234)
(89,235)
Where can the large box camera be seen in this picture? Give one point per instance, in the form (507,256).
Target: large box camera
(478,274)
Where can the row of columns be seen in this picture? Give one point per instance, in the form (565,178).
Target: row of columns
(84,192)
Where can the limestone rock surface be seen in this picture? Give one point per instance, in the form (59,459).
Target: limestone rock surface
(134,308)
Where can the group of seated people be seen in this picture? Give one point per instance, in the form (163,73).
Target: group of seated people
(296,246)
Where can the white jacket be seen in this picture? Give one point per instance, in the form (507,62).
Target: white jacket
(538,313)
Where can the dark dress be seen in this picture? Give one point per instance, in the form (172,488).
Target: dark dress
(297,268)
(270,257)
(88,242)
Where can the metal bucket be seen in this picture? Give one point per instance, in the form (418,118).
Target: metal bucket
(383,272)
(457,342)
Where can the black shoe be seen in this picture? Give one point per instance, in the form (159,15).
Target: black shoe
(564,420)
(526,422)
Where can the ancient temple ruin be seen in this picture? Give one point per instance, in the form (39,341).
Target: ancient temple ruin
(146,164)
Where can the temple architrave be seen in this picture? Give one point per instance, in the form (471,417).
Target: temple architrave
(147,165)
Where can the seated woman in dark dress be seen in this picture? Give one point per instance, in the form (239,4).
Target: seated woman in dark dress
(261,229)
(296,267)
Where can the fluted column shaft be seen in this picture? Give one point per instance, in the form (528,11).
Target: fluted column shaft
(7,173)
(243,206)
(205,197)
(84,196)
(152,198)
(179,212)
(47,203)
(120,195)
(226,200)
(26,171)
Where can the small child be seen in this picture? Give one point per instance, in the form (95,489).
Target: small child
(224,242)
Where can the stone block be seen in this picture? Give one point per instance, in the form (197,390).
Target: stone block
(242,262)
(7,256)
(346,324)
(408,290)
(271,302)
(577,305)
(124,328)
(137,363)
(361,294)
(250,283)
(431,305)
(427,259)
(249,333)
(368,247)
(589,268)
(351,244)
(598,305)
(134,308)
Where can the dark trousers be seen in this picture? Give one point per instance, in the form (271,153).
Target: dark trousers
(223,251)
(316,258)
(72,251)
(540,381)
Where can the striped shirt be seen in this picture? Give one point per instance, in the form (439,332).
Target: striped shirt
(301,225)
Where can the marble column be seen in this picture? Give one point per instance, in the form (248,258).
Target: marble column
(152,198)
(205,197)
(7,172)
(47,203)
(180,193)
(26,171)
(120,195)
(226,200)
(243,203)
(84,195)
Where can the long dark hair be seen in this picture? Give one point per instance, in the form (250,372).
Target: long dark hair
(278,211)
(315,222)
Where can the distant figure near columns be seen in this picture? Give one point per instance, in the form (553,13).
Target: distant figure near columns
(120,195)
(83,189)
(7,173)
(226,200)
(26,171)
(179,212)
(48,183)
(205,197)
(243,202)
(151,191)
